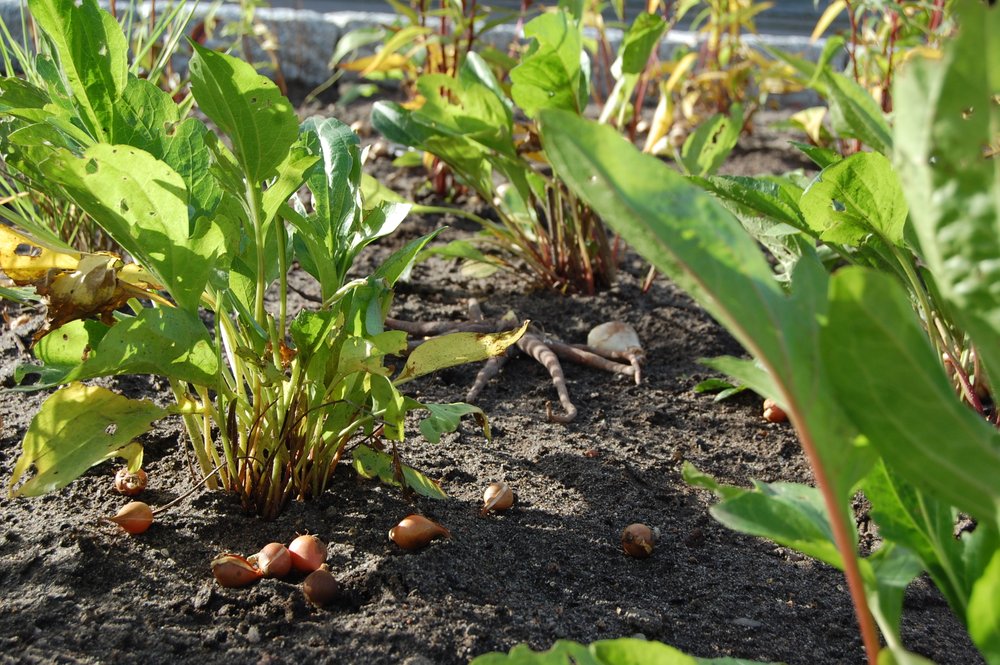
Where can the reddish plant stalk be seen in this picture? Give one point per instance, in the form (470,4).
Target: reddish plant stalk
(841,537)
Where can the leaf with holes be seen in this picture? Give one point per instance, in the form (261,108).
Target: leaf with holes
(143,204)
(76,428)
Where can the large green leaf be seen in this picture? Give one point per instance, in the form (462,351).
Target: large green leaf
(709,145)
(854,198)
(622,651)
(888,379)
(946,113)
(164,341)
(787,513)
(76,428)
(142,203)
(550,76)
(92,55)
(983,615)
(248,107)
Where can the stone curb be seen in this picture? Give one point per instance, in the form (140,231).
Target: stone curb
(308,38)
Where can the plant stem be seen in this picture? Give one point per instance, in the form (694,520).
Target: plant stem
(841,536)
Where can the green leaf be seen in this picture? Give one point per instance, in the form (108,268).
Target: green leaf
(787,513)
(92,56)
(944,118)
(774,200)
(456,349)
(550,76)
(444,418)
(76,428)
(855,197)
(887,377)
(983,614)
(640,40)
(709,145)
(371,463)
(399,263)
(142,203)
(248,107)
(165,341)
(821,157)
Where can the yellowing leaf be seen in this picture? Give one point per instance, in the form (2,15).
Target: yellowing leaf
(828,17)
(26,260)
(374,63)
(74,285)
(76,428)
(456,349)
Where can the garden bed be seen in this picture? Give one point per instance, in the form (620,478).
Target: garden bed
(75,590)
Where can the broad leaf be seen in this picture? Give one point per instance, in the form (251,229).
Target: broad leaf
(76,428)
(371,463)
(142,203)
(248,107)
(983,614)
(92,55)
(445,418)
(890,381)
(946,113)
(709,145)
(854,198)
(550,75)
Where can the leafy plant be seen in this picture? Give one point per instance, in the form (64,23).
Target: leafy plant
(848,357)
(723,71)
(468,123)
(29,203)
(272,399)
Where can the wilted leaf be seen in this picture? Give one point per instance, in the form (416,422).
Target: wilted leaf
(456,349)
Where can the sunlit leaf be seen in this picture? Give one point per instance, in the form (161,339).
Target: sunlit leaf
(76,428)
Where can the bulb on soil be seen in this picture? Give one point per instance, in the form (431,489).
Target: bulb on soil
(273,560)
(774,413)
(638,540)
(497,497)
(615,337)
(129,483)
(416,531)
(307,553)
(135,517)
(232,570)
(321,587)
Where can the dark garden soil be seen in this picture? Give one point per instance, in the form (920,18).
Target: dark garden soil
(73,590)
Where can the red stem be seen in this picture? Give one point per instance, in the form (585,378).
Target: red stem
(841,537)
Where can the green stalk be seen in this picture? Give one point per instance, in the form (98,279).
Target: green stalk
(194,430)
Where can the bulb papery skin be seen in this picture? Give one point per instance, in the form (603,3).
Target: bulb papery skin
(497,498)
(416,531)
(615,336)
(232,570)
(307,553)
(135,517)
(273,560)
